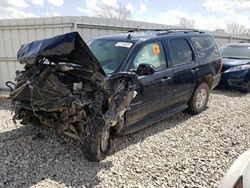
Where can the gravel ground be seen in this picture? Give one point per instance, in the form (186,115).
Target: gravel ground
(180,151)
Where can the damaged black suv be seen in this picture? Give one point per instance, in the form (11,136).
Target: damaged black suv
(116,84)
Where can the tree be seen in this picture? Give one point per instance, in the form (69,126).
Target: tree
(119,12)
(236,29)
(186,23)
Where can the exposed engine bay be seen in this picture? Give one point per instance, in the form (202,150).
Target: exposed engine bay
(63,86)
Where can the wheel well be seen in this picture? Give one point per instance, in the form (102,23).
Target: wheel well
(207,79)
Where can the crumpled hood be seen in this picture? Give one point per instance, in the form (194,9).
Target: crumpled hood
(68,47)
(235,62)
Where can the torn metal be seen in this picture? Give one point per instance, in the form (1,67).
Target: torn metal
(63,86)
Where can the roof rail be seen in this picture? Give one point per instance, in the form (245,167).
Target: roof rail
(145,29)
(174,30)
(139,29)
(167,30)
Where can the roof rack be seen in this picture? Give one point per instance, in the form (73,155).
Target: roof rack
(167,31)
(178,30)
(140,29)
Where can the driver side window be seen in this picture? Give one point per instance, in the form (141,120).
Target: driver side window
(151,53)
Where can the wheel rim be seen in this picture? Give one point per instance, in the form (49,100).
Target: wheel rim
(105,139)
(201,98)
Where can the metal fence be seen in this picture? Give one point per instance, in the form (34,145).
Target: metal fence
(15,32)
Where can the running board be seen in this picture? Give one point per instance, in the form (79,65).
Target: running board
(152,119)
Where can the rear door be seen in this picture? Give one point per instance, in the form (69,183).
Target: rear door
(209,57)
(184,68)
(156,92)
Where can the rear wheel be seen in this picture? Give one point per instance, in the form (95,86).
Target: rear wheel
(199,99)
(247,89)
(98,143)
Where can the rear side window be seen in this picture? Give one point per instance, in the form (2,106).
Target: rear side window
(151,53)
(206,47)
(181,51)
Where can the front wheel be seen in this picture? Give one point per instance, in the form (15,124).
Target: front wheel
(98,143)
(199,99)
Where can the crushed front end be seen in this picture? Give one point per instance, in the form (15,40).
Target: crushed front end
(64,87)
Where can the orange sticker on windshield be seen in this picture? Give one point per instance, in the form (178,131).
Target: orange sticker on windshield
(156,49)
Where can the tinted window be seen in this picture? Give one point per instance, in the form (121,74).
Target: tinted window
(181,51)
(151,53)
(206,47)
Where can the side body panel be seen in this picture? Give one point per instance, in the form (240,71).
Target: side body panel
(210,61)
(169,88)
(184,75)
(156,93)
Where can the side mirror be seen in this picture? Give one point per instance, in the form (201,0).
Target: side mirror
(145,69)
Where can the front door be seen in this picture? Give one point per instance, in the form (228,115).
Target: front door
(156,90)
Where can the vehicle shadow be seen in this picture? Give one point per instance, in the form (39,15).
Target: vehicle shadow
(31,154)
(127,140)
(5,103)
(227,91)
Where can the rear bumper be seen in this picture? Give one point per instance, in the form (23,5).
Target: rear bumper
(237,79)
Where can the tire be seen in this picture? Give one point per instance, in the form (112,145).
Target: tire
(198,101)
(92,145)
(247,89)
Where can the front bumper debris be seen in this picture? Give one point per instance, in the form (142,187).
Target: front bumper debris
(67,88)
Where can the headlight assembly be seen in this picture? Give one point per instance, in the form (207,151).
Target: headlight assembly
(238,68)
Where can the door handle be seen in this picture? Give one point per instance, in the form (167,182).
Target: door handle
(164,79)
(195,70)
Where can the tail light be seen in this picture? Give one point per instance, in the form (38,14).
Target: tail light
(220,65)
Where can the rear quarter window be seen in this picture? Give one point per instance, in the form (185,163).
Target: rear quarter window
(206,47)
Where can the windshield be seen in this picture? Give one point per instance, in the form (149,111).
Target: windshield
(236,52)
(110,53)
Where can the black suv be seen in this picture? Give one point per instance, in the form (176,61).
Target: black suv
(116,85)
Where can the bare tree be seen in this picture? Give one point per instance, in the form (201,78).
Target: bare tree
(119,12)
(237,29)
(186,23)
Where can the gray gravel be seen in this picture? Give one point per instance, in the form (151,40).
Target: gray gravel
(181,151)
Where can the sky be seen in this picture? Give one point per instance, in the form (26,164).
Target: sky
(207,14)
